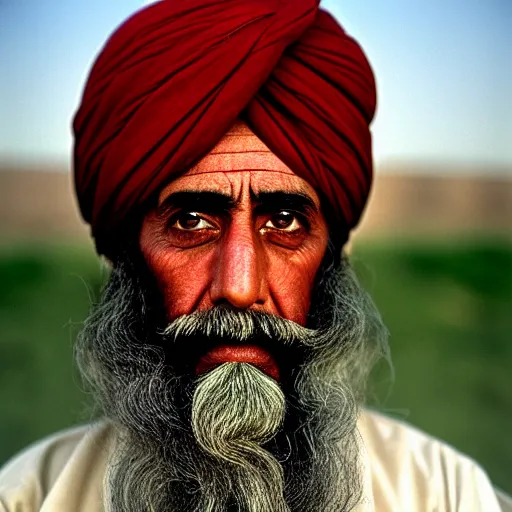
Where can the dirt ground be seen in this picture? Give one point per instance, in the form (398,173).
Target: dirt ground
(39,203)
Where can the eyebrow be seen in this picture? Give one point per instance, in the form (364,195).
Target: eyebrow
(206,201)
(284,201)
(216,202)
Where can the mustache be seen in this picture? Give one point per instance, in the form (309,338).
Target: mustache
(188,337)
(239,325)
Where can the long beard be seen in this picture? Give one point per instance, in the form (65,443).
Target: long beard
(233,439)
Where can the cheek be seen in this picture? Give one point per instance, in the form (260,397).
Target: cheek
(291,282)
(182,279)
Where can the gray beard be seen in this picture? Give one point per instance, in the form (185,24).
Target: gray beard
(233,439)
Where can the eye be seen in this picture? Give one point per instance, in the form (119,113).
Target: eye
(284,221)
(189,221)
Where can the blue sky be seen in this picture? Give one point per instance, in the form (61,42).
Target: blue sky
(443,70)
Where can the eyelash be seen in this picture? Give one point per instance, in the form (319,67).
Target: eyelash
(301,217)
(175,217)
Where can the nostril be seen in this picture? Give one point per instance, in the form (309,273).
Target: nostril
(224,304)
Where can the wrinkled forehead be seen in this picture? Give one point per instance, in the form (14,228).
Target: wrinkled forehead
(240,160)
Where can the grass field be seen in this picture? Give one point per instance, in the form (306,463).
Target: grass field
(447,306)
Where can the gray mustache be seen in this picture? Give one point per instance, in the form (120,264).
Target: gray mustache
(238,325)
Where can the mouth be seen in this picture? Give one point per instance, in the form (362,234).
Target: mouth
(244,353)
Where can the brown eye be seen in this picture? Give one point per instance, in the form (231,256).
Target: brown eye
(284,221)
(190,221)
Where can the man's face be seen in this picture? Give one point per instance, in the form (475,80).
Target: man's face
(278,433)
(247,239)
(250,239)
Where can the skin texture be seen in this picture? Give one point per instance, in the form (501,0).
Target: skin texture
(253,253)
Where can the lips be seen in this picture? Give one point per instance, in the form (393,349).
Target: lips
(252,354)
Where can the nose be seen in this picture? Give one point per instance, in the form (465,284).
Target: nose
(238,273)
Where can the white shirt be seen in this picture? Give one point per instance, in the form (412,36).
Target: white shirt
(404,470)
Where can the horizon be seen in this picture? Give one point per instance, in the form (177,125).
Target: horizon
(443,88)
(400,167)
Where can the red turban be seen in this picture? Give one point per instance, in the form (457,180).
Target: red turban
(173,79)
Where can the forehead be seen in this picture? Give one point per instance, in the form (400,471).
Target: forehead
(240,163)
(239,183)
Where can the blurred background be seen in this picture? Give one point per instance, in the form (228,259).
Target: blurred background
(434,247)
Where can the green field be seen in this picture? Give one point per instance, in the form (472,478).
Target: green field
(447,306)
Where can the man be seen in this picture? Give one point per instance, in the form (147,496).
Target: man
(222,155)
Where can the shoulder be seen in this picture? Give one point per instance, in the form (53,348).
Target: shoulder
(413,471)
(45,472)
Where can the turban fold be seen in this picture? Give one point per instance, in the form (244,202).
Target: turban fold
(174,78)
